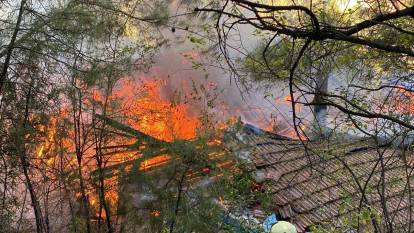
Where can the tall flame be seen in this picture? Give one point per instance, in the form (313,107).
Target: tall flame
(145,110)
(161,119)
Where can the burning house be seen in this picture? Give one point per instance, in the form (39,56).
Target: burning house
(318,185)
(311,184)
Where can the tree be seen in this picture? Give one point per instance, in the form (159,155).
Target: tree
(315,27)
(365,47)
(52,52)
(63,63)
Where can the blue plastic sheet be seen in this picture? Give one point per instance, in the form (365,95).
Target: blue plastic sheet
(253,129)
(269,222)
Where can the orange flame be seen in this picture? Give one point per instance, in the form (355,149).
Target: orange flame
(404,100)
(146,111)
(159,118)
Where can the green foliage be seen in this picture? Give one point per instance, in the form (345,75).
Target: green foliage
(179,192)
(269,63)
(241,192)
(161,12)
(64,51)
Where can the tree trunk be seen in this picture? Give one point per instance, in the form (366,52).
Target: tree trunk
(320,111)
(100,138)
(10,47)
(77,114)
(21,148)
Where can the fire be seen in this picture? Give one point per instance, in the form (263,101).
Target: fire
(40,153)
(154,162)
(148,112)
(155,213)
(154,116)
(49,139)
(145,109)
(404,100)
(287,98)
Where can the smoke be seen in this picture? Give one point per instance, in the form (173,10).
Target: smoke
(182,65)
